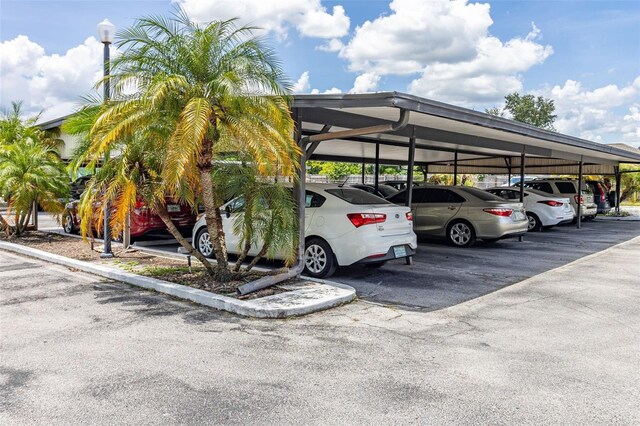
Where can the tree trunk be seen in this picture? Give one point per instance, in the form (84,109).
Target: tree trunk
(161,211)
(259,256)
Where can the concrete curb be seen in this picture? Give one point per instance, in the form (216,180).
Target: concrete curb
(302,300)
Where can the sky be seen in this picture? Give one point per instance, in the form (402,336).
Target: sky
(585,55)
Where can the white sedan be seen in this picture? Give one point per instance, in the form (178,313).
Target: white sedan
(343,226)
(543,210)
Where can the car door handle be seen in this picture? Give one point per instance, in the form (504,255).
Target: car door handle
(451,207)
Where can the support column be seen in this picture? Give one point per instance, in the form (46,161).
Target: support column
(412,152)
(376,169)
(364,165)
(618,188)
(522,160)
(579,199)
(299,186)
(455,168)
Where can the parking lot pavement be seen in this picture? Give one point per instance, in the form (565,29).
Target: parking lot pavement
(560,348)
(443,276)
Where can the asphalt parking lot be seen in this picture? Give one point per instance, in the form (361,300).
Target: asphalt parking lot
(560,348)
(443,276)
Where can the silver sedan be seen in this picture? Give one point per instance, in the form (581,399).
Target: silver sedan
(462,214)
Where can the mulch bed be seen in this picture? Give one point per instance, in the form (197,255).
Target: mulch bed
(138,262)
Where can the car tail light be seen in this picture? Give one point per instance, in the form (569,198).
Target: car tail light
(140,207)
(575,198)
(500,212)
(551,203)
(409,216)
(360,219)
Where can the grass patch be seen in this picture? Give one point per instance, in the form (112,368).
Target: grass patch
(622,213)
(157,271)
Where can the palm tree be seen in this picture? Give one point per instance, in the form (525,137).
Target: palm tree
(217,89)
(30,172)
(133,174)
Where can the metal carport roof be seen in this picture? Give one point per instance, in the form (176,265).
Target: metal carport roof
(481,142)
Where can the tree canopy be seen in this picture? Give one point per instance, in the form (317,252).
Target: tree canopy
(529,109)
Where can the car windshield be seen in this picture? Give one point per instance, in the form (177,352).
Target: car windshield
(479,193)
(356,196)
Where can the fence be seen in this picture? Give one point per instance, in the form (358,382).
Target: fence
(488,181)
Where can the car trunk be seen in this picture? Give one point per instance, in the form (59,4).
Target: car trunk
(517,208)
(396,222)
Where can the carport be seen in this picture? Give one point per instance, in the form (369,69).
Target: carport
(401,129)
(396,128)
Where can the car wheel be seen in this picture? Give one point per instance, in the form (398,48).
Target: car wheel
(375,265)
(203,243)
(319,261)
(68,225)
(534,223)
(461,234)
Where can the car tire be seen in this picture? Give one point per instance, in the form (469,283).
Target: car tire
(319,260)
(460,233)
(203,243)
(534,223)
(67,224)
(375,265)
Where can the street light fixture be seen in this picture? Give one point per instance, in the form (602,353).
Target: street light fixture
(106,32)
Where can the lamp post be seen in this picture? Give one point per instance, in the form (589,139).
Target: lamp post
(106,31)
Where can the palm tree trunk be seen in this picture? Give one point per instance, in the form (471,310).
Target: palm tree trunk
(259,256)
(242,256)
(161,211)
(214,225)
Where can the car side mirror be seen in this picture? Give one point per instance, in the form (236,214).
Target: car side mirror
(227,211)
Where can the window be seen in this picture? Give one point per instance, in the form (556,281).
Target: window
(479,193)
(400,198)
(566,187)
(507,194)
(438,195)
(540,186)
(356,196)
(313,200)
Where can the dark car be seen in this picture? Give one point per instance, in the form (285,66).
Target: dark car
(398,184)
(142,219)
(383,191)
(600,195)
(78,186)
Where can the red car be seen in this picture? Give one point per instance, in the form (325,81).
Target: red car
(142,219)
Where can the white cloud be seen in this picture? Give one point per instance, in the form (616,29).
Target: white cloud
(494,72)
(448,44)
(302,85)
(333,90)
(333,45)
(417,33)
(366,82)
(308,17)
(51,82)
(599,114)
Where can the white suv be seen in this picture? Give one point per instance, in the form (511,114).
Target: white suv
(567,188)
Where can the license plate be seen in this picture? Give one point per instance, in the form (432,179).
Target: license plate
(400,251)
(173,208)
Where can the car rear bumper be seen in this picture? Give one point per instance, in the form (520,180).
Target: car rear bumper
(501,228)
(374,247)
(390,255)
